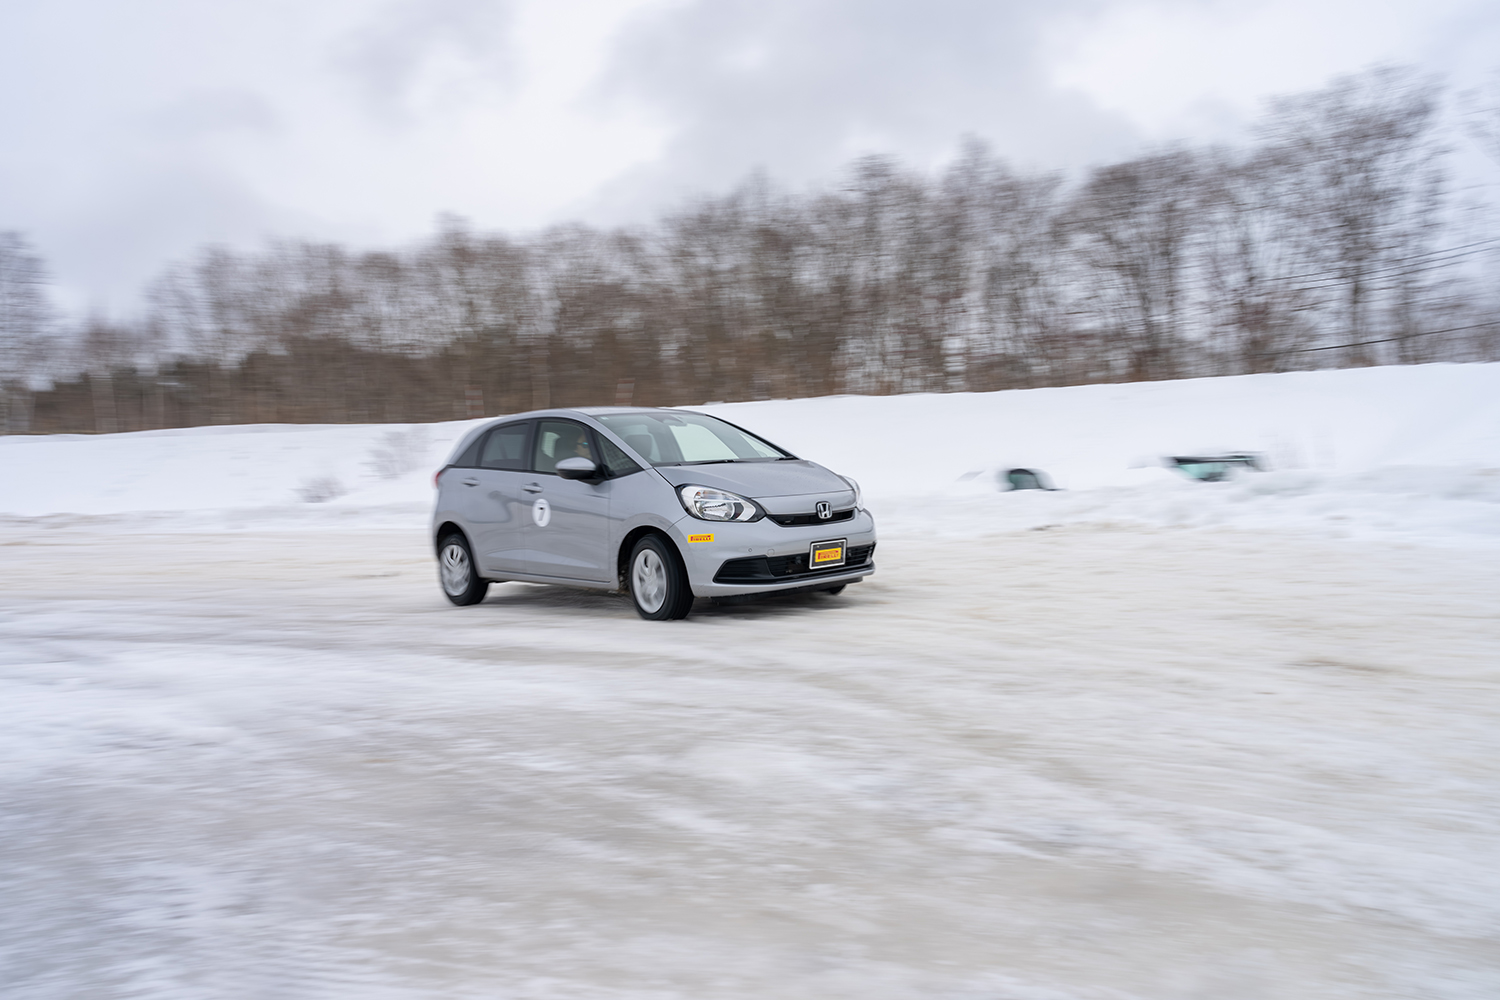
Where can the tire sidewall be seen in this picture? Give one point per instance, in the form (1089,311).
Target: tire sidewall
(679,599)
(477,587)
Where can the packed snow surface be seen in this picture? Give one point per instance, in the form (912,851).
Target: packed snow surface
(1136,738)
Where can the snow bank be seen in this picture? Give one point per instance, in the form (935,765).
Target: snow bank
(217,468)
(1342,422)
(1411,450)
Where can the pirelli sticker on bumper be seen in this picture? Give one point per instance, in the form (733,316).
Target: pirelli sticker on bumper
(701,538)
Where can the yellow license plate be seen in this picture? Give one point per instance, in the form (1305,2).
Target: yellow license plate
(826,554)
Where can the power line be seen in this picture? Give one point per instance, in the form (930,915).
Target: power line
(1480,246)
(1387,340)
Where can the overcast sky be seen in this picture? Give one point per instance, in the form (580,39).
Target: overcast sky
(132,133)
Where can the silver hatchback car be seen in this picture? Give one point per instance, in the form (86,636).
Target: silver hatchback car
(666,504)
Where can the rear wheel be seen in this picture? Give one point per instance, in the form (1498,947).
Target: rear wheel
(658,581)
(457,573)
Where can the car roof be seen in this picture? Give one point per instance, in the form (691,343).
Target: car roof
(596,411)
(587,411)
(571,411)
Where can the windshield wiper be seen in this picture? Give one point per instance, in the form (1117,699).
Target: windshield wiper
(726,461)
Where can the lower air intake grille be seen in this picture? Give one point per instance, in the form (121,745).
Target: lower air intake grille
(759,569)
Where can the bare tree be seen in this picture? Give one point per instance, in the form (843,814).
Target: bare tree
(1482,117)
(1322,243)
(1016,329)
(1256,311)
(1368,185)
(1134,225)
(25,323)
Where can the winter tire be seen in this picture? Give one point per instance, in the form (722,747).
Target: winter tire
(658,582)
(457,573)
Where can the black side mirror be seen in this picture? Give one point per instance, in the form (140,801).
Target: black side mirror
(578,467)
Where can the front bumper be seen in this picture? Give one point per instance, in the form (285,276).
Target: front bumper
(707,545)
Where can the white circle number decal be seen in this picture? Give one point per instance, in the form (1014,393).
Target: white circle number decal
(541,513)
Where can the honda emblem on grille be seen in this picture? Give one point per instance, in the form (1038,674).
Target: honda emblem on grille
(825,510)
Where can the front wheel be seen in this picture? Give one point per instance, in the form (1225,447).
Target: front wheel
(457,573)
(658,581)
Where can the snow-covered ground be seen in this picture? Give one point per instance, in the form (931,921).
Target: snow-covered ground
(1137,738)
(1409,453)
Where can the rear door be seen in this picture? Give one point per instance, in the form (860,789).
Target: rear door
(567,529)
(497,506)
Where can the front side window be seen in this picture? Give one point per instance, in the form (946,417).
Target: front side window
(505,448)
(689,439)
(616,461)
(557,440)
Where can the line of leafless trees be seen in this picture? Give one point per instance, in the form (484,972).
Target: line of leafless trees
(1329,241)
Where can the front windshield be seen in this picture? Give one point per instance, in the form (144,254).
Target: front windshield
(689,439)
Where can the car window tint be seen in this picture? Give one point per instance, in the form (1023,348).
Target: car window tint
(505,448)
(1023,479)
(557,440)
(642,437)
(699,444)
(673,438)
(616,461)
(470,458)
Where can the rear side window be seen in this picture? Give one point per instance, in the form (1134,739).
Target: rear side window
(505,448)
(470,458)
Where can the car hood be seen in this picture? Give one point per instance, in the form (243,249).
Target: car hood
(777,485)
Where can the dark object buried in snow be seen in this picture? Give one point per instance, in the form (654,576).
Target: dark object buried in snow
(1024,479)
(1214,468)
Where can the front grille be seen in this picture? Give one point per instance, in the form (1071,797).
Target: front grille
(802,520)
(759,569)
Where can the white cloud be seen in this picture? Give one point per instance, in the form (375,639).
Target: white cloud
(138,133)
(135,132)
(1187,67)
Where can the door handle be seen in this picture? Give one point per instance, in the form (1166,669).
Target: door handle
(471,481)
(532,488)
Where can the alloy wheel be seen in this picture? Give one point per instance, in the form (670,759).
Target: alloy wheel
(454,568)
(648,581)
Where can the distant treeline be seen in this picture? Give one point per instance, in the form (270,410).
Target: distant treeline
(1330,241)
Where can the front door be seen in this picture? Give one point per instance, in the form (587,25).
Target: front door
(567,529)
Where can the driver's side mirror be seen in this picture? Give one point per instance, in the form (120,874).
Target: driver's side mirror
(578,467)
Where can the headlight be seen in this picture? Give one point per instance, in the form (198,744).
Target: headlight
(858,498)
(709,504)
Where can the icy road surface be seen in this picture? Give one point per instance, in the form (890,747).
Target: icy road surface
(1080,762)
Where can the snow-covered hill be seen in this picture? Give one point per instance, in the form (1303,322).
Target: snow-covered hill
(1408,450)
